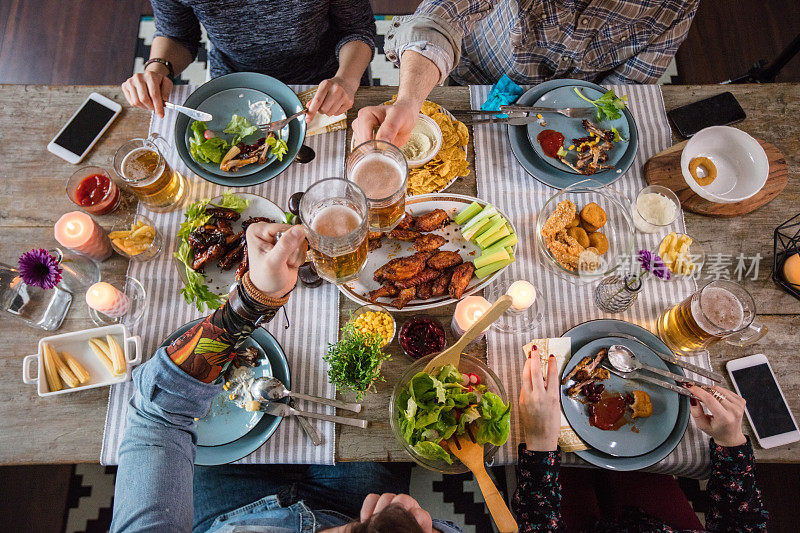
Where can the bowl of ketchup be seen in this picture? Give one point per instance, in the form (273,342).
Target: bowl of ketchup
(93,190)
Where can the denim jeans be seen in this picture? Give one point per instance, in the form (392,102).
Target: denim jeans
(340,488)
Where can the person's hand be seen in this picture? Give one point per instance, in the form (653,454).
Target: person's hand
(374,504)
(274,262)
(393,122)
(149,89)
(334,97)
(724,424)
(539,405)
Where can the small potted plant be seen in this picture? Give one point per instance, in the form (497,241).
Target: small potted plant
(355,360)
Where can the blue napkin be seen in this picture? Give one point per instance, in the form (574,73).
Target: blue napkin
(504,92)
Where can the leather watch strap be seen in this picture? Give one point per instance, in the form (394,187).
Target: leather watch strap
(161,61)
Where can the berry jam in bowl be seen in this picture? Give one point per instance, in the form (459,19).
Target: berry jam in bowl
(422,335)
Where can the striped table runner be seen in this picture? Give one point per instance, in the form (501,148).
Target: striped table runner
(304,342)
(505,183)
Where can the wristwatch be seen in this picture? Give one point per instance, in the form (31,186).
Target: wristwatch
(162,62)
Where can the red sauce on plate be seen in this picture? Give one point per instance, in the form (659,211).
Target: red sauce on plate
(550,141)
(97,193)
(608,412)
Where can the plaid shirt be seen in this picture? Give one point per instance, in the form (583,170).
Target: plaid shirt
(613,41)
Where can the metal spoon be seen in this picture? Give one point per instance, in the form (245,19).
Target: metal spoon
(306,154)
(624,360)
(266,389)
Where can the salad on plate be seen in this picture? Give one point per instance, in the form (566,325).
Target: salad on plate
(434,407)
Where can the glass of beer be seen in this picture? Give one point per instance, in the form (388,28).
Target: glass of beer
(144,169)
(722,310)
(381,170)
(334,212)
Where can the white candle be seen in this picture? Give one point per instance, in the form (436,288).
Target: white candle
(523,294)
(468,311)
(105,298)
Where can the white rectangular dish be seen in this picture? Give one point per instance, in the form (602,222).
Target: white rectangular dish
(76,344)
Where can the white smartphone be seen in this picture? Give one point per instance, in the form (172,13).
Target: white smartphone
(767,410)
(84,128)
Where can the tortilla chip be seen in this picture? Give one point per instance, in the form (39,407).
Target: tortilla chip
(428,108)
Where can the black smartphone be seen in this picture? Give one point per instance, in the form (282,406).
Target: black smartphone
(719,110)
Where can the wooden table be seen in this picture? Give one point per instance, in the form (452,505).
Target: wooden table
(69,428)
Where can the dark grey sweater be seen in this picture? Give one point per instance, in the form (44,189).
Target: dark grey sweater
(296,41)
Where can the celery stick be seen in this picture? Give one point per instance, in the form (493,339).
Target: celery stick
(488,230)
(474,230)
(485,260)
(488,212)
(468,212)
(504,243)
(484,241)
(493,267)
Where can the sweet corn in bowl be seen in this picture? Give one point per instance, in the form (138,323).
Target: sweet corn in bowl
(374,319)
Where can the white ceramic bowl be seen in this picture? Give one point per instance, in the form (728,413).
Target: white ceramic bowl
(416,163)
(742,165)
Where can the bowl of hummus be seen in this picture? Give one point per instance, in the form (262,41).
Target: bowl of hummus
(424,143)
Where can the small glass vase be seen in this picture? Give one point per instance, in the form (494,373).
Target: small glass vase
(616,294)
(78,272)
(40,308)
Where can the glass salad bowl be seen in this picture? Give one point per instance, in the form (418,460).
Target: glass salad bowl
(618,229)
(468,365)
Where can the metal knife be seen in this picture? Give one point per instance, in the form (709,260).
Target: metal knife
(710,374)
(636,376)
(310,429)
(512,121)
(281,409)
(189,112)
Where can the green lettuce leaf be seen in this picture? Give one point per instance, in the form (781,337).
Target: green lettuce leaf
(206,150)
(279,147)
(494,424)
(431,450)
(471,414)
(240,128)
(450,374)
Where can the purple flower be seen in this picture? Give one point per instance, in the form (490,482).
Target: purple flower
(40,269)
(653,264)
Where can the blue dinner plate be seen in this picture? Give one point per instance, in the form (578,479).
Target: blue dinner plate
(544,171)
(572,128)
(587,332)
(650,432)
(222,106)
(278,91)
(263,430)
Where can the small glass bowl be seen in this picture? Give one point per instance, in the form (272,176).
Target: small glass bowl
(513,321)
(155,246)
(644,225)
(107,204)
(417,319)
(377,309)
(697,253)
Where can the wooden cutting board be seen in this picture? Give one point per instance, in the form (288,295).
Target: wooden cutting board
(665,169)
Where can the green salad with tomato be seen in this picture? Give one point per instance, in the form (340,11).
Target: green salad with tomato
(434,407)
(207,146)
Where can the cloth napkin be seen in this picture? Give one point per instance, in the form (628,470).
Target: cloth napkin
(321,123)
(561,348)
(504,92)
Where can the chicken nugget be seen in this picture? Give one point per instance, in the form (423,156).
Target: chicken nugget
(562,215)
(593,215)
(429,242)
(580,235)
(460,280)
(588,227)
(444,259)
(574,222)
(600,241)
(431,221)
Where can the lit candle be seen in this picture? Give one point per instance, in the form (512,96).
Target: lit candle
(468,311)
(523,294)
(105,298)
(78,232)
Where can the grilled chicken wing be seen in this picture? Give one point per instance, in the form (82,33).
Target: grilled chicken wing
(244,266)
(460,280)
(429,242)
(406,222)
(231,258)
(213,253)
(444,259)
(425,290)
(405,296)
(403,268)
(253,220)
(404,234)
(386,290)
(425,276)
(441,283)
(222,213)
(374,244)
(430,221)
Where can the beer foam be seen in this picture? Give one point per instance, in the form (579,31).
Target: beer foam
(721,311)
(378,176)
(139,164)
(335,221)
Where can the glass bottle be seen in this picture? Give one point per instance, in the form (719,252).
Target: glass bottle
(40,308)
(616,294)
(78,272)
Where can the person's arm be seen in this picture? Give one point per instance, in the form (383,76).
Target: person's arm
(537,500)
(734,499)
(355,24)
(650,63)
(177,40)
(153,490)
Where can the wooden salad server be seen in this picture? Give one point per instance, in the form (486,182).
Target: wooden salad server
(452,355)
(471,454)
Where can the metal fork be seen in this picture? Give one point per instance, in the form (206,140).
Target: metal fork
(569,112)
(279,124)
(636,376)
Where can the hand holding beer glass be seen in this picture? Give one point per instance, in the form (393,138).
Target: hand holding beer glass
(381,170)
(722,310)
(334,213)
